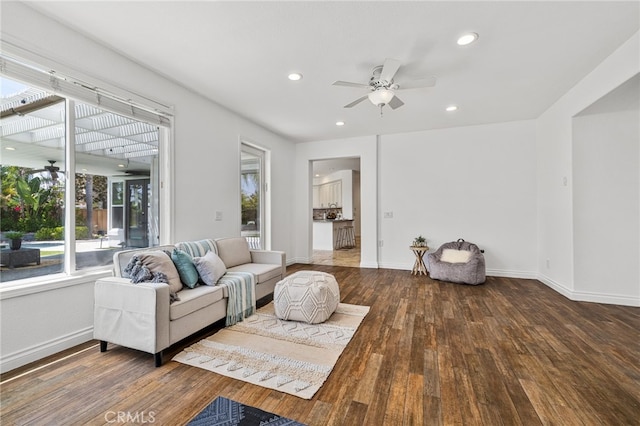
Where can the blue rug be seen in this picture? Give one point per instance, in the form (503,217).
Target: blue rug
(223,411)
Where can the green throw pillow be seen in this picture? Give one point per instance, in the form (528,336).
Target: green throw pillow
(186,269)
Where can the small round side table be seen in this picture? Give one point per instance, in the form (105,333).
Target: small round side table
(419,267)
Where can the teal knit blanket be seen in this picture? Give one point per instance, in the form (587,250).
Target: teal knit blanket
(241,287)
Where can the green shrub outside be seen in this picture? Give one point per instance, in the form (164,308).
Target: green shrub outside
(57,233)
(45,234)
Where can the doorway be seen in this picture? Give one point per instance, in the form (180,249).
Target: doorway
(137,212)
(336,208)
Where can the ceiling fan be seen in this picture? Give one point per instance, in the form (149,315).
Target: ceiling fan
(382,87)
(53,170)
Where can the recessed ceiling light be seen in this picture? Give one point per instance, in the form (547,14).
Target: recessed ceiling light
(10,148)
(467,39)
(339,123)
(452,108)
(295,76)
(121,165)
(317,175)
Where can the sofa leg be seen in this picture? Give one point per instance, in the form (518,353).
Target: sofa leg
(158,358)
(103,346)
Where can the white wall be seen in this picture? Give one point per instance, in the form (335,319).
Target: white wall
(606,205)
(554,171)
(206,155)
(477,183)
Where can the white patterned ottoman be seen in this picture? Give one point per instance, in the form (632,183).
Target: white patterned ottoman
(308,296)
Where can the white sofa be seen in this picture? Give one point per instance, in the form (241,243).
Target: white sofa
(141,316)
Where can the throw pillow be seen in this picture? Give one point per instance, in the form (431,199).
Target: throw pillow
(455,256)
(159,261)
(197,248)
(140,273)
(186,269)
(210,267)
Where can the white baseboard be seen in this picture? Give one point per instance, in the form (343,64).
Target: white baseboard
(402,266)
(304,260)
(508,273)
(34,353)
(585,296)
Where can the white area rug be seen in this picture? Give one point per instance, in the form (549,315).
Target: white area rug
(289,356)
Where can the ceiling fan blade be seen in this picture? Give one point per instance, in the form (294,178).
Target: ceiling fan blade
(418,84)
(356,102)
(395,103)
(389,69)
(349,84)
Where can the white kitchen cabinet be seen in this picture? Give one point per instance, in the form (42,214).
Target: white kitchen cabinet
(327,194)
(316,197)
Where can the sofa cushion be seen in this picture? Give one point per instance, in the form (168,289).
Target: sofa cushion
(210,268)
(262,271)
(455,256)
(186,269)
(233,251)
(159,261)
(192,299)
(197,248)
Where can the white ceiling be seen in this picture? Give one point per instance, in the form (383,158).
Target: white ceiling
(240,53)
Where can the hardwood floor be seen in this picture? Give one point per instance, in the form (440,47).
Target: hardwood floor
(342,257)
(510,352)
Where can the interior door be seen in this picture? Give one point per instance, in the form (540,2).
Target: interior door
(137,208)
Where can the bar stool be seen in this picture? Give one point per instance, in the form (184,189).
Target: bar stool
(346,237)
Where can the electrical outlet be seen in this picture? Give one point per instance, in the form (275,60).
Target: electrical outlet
(388,215)
(548,264)
(218,215)
(380,243)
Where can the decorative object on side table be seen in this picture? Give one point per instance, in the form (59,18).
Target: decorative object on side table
(419,241)
(16,239)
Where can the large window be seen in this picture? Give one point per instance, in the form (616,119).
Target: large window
(78,182)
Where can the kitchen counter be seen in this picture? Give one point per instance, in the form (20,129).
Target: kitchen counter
(325,233)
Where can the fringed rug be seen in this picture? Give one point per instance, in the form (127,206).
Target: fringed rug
(288,356)
(223,411)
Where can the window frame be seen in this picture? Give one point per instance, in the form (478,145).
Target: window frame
(33,75)
(265,183)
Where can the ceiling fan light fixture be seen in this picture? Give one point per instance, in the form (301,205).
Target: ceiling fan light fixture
(381,96)
(467,38)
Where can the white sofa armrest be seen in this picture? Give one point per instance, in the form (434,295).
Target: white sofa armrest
(132,315)
(272,257)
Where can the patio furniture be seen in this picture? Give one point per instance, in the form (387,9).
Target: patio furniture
(23,256)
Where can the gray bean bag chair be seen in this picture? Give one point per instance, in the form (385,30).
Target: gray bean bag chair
(457,262)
